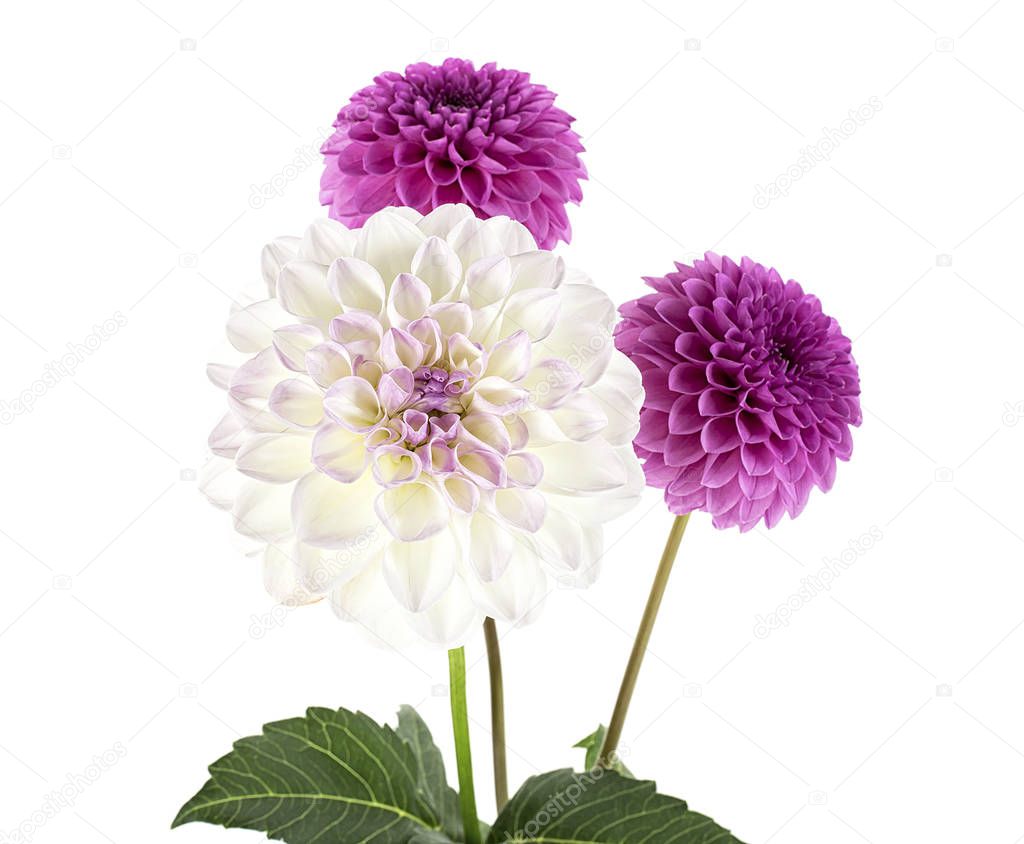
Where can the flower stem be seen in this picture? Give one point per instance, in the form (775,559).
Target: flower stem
(497,714)
(643,637)
(463,758)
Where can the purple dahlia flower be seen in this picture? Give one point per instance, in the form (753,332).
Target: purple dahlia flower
(751,391)
(489,138)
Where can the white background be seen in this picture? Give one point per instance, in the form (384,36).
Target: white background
(888,709)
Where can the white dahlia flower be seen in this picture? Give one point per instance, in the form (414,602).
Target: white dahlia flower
(432,419)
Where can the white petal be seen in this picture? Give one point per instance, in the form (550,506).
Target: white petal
(524,469)
(551,382)
(601,508)
(586,346)
(537,270)
(325,240)
(450,619)
(534,311)
(356,285)
(569,546)
(412,511)
(321,569)
(510,358)
(353,402)
(453,317)
(418,573)
(443,219)
(302,290)
(220,374)
(620,411)
(437,264)
(513,236)
(297,402)
(488,281)
(582,416)
(359,332)
(261,510)
(472,241)
(219,481)
(227,436)
(519,592)
(251,329)
(491,544)
(339,453)
(329,514)
(281,581)
(327,363)
(408,300)
(292,342)
(585,468)
(388,242)
(523,508)
(275,255)
(275,458)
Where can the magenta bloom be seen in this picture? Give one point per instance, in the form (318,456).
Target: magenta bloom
(489,138)
(751,391)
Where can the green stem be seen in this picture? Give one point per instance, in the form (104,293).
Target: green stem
(463,757)
(497,714)
(643,637)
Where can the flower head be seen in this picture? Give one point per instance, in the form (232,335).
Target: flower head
(430,420)
(446,133)
(750,390)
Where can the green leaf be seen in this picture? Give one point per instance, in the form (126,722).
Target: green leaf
(432,779)
(593,744)
(601,807)
(332,776)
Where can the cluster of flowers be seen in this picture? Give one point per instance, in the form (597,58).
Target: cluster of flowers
(430,416)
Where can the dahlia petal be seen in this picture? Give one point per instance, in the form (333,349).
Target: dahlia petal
(488,280)
(260,510)
(281,581)
(353,402)
(720,434)
(399,348)
(275,458)
(327,363)
(418,573)
(302,290)
(412,512)
(414,186)
(293,342)
(388,242)
(436,263)
(325,240)
(582,468)
(297,402)
(491,544)
(274,256)
(534,311)
(582,416)
(523,508)
(339,453)
(356,285)
(328,514)
(408,300)
(358,332)
(250,329)
(219,481)
(450,619)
